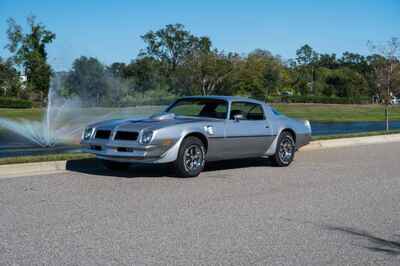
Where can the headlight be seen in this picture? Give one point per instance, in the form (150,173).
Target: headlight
(146,137)
(87,133)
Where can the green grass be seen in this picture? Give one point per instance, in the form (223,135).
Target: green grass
(37,113)
(29,114)
(338,112)
(45,158)
(313,112)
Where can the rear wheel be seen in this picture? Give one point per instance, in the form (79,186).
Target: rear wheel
(285,150)
(116,166)
(191,158)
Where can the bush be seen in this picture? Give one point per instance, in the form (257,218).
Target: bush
(320,99)
(14,103)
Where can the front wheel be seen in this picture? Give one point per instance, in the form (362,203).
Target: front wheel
(191,158)
(285,149)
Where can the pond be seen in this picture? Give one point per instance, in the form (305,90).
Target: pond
(333,128)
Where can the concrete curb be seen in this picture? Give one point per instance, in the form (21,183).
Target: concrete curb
(42,168)
(25,169)
(335,143)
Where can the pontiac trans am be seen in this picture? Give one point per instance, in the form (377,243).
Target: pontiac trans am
(195,130)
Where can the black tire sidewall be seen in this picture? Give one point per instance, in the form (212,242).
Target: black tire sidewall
(179,163)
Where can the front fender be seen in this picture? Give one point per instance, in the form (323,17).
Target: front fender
(172,153)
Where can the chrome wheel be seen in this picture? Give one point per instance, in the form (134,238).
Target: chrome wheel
(193,158)
(286,149)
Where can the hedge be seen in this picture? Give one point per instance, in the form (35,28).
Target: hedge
(319,99)
(14,103)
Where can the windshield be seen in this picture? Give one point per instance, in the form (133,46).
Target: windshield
(213,108)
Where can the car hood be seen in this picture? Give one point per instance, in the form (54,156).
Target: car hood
(151,123)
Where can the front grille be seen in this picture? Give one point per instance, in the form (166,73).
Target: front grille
(103,134)
(123,149)
(95,148)
(126,135)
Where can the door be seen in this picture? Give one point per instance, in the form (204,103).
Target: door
(247,132)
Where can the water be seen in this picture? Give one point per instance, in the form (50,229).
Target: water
(62,123)
(332,128)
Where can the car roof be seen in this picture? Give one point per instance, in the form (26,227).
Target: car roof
(226,98)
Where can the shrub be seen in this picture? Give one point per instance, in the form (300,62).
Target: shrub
(14,103)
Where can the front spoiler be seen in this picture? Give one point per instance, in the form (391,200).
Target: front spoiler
(137,153)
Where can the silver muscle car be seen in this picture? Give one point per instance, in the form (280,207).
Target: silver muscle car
(193,130)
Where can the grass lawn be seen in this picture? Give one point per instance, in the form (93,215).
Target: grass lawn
(29,114)
(45,158)
(37,113)
(338,112)
(313,112)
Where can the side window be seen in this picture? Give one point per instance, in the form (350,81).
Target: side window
(249,111)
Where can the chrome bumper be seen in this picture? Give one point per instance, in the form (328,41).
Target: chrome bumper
(125,151)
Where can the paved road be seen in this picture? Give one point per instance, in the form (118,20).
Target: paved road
(337,206)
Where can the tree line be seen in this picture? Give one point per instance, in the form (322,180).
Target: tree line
(176,62)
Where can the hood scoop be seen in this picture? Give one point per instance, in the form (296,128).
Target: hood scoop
(163,116)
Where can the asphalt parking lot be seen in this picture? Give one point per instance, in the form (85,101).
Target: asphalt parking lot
(334,206)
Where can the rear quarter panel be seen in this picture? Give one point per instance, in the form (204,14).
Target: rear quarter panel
(280,122)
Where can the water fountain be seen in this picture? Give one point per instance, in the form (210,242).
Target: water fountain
(50,130)
(60,126)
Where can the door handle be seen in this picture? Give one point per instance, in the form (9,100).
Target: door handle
(266,126)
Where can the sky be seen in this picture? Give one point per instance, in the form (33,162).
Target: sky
(111,30)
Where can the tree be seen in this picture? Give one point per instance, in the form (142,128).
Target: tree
(327,61)
(203,72)
(306,55)
(29,50)
(116,69)
(386,70)
(10,84)
(88,80)
(145,74)
(171,45)
(345,82)
(306,59)
(258,75)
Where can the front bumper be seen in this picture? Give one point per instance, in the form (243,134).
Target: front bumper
(127,151)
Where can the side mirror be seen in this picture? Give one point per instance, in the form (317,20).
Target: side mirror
(238,117)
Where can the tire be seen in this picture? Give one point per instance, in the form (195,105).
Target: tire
(191,158)
(285,150)
(115,166)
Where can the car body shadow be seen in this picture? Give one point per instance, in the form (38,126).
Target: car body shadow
(93,166)
(374,243)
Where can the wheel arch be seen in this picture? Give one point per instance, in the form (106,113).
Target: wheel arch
(200,136)
(272,149)
(291,131)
